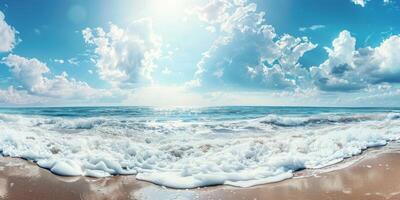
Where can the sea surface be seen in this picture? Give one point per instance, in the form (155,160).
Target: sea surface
(193,147)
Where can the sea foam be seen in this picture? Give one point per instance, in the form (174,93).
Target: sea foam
(190,154)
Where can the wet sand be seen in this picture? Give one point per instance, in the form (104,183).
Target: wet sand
(20,180)
(376,176)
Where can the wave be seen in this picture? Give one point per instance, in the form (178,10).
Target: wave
(182,154)
(292,121)
(285,121)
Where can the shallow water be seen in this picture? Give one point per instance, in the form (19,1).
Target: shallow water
(193,147)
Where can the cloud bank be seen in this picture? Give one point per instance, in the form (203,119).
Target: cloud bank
(37,85)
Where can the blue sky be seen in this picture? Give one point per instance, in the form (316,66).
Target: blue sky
(200,53)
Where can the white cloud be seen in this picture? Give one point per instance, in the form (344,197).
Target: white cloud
(60,61)
(244,18)
(248,51)
(11,96)
(31,75)
(7,35)
(312,28)
(363,3)
(274,61)
(348,68)
(125,55)
(213,12)
(230,15)
(388,59)
(73,61)
(360,2)
(28,72)
(379,95)
(387,1)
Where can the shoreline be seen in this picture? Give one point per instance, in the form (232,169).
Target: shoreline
(371,175)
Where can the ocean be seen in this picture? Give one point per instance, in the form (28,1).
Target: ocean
(193,147)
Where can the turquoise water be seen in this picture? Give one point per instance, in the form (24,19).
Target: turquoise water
(189,114)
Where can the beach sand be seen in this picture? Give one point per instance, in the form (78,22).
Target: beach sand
(20,180)
(376,176)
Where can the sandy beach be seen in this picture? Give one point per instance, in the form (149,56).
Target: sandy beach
(20,179)
(374,176)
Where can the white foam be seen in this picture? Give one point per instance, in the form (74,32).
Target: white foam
(189,155)
(272,179)
(66,168)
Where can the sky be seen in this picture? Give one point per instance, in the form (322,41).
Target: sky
(200,53)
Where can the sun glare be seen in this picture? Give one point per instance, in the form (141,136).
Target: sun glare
(167,8)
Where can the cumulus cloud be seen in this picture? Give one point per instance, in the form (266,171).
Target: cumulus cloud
(31,75)
(28,72)
(248,51)
(387,60)
(7,35)
(124,56)
(348,68)
(214,11)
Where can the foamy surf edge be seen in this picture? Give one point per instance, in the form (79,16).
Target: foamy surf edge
(194,160)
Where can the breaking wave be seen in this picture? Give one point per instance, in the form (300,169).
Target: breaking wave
(188,153)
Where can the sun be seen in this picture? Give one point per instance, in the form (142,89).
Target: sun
(167,8)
